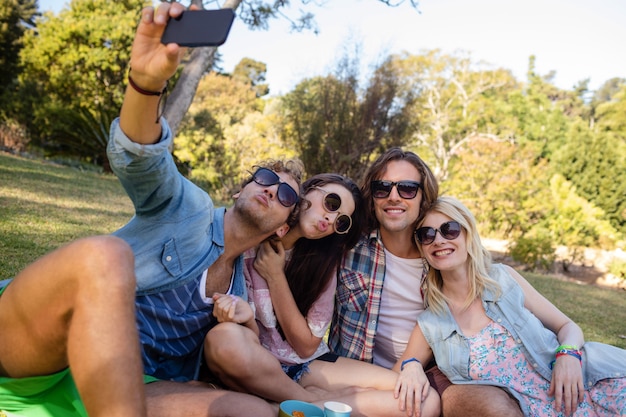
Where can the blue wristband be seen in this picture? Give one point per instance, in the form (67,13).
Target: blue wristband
(408,361)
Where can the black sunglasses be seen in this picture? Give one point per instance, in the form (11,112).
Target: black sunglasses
(406,189)
(332,202)
(287,196)
(448,230)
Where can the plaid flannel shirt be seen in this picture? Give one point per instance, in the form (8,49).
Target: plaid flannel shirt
(357,301)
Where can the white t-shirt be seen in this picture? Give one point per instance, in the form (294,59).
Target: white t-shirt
(400,304)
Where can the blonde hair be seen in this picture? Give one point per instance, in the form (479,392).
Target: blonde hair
(479,258)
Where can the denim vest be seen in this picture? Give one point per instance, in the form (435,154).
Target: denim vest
(451,349)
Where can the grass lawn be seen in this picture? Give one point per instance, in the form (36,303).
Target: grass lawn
(43,206)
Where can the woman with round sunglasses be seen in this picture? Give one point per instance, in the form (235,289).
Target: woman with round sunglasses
(302,266)
(485,324)
(280,353)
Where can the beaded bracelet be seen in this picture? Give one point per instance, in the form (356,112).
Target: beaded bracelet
(567,350)
(571,347)
(161,94)
(408,361)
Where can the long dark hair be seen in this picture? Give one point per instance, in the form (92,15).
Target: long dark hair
(313,261)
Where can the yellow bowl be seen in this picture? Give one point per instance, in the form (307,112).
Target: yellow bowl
(310,410)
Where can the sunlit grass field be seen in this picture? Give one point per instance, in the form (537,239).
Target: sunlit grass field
(44,205)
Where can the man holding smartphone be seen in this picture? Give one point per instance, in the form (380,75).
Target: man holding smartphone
(186,250)
(72,317)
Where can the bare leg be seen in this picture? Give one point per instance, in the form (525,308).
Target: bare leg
(75,307)
(196,399)
(378,400)
(376,403)
(234,354)
(349,372)
(479,401)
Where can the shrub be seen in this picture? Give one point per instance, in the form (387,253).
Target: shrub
(617,267)
(534,251)
(13,136)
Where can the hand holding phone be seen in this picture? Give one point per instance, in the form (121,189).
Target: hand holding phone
(199,28)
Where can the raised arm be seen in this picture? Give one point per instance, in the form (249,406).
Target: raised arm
(152,65)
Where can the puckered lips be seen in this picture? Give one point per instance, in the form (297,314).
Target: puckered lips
(322,226)
(263,198)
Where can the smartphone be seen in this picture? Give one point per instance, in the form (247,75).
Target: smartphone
(199,28)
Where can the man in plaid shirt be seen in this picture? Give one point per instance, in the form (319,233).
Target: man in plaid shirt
(379,289)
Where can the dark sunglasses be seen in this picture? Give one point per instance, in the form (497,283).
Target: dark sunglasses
(287,196)
(448,230)
(332,202)
(406,189)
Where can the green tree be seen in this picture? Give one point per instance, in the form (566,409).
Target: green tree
(514,199)
(540,110)
(76,62)
(81,55)
(257,15)
(16,17)
(574,223)
(203,145)
(260,131)
(314,111)
(452,101)
(594,162)
(503,184)
(605,94)
(611,114)
(337,126)
(249,71)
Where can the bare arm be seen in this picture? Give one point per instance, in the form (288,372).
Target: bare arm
(416,348)
(568,332)
(153,64)
(270,264)
(412,385)
(567,381)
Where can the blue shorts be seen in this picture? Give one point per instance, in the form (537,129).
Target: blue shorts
(296,372)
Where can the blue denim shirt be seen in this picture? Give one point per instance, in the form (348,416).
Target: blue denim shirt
(175,234)
(452,352)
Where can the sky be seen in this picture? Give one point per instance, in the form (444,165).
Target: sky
(577,39)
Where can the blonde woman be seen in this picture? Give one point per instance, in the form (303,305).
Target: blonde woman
(485,324)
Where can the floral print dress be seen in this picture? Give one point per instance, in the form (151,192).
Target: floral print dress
(495,356)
